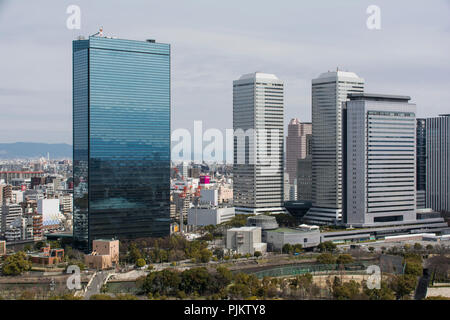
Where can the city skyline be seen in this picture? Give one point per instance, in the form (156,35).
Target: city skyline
(214,50)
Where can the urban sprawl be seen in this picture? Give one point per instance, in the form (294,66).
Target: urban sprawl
(352,205)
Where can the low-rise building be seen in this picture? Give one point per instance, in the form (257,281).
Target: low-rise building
(48,256)
(245,240)
(204,216)
(277,238)
(225,194)
(9,213)
(105,253)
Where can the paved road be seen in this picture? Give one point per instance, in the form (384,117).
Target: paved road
(96,284)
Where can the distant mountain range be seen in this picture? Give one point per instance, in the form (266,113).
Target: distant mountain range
(31,150)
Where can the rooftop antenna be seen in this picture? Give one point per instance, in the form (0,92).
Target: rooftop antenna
(99,33)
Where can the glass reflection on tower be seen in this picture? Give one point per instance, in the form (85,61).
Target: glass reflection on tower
(121,135)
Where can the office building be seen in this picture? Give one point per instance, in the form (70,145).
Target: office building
(121,147)
(438,163)
(258,113)
(304,178)
(296,146)
(66,203)
(381,160)
(421,163)
(329,92)
(9,213)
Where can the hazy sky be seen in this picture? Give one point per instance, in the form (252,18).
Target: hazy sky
(213,43)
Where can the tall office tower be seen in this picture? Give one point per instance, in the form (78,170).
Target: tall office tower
(438,163)
(329,92)
(258,113)
(121,139)
(296,146)
(421,165)
(380,160)
(304,178)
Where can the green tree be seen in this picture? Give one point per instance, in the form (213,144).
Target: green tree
(327,246)
(181,295)
(125,296)
(205,255)
(197,280)
(100,296)
(15,264)
(134,253)
(345,291)
(140,263)
(66,296)
(403,285)
(384,293)
(164,282)
(257,254)
(223,277)
(413,268)
(344,259)
(248,280)
(287,248)
(238,291)
(326,258)
(303,280)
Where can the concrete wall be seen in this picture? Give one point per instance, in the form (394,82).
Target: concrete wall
(276,240)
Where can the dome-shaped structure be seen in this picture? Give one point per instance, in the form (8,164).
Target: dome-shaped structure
(262,221)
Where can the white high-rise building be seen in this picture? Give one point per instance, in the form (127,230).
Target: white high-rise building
(258,116)
(381,160)
(329,92)
(438,163)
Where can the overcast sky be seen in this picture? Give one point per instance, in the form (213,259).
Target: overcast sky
(213,43)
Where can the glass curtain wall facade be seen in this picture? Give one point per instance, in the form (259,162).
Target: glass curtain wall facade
(121,135)
(438,163)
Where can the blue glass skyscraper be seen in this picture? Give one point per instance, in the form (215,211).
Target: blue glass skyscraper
(121,139)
